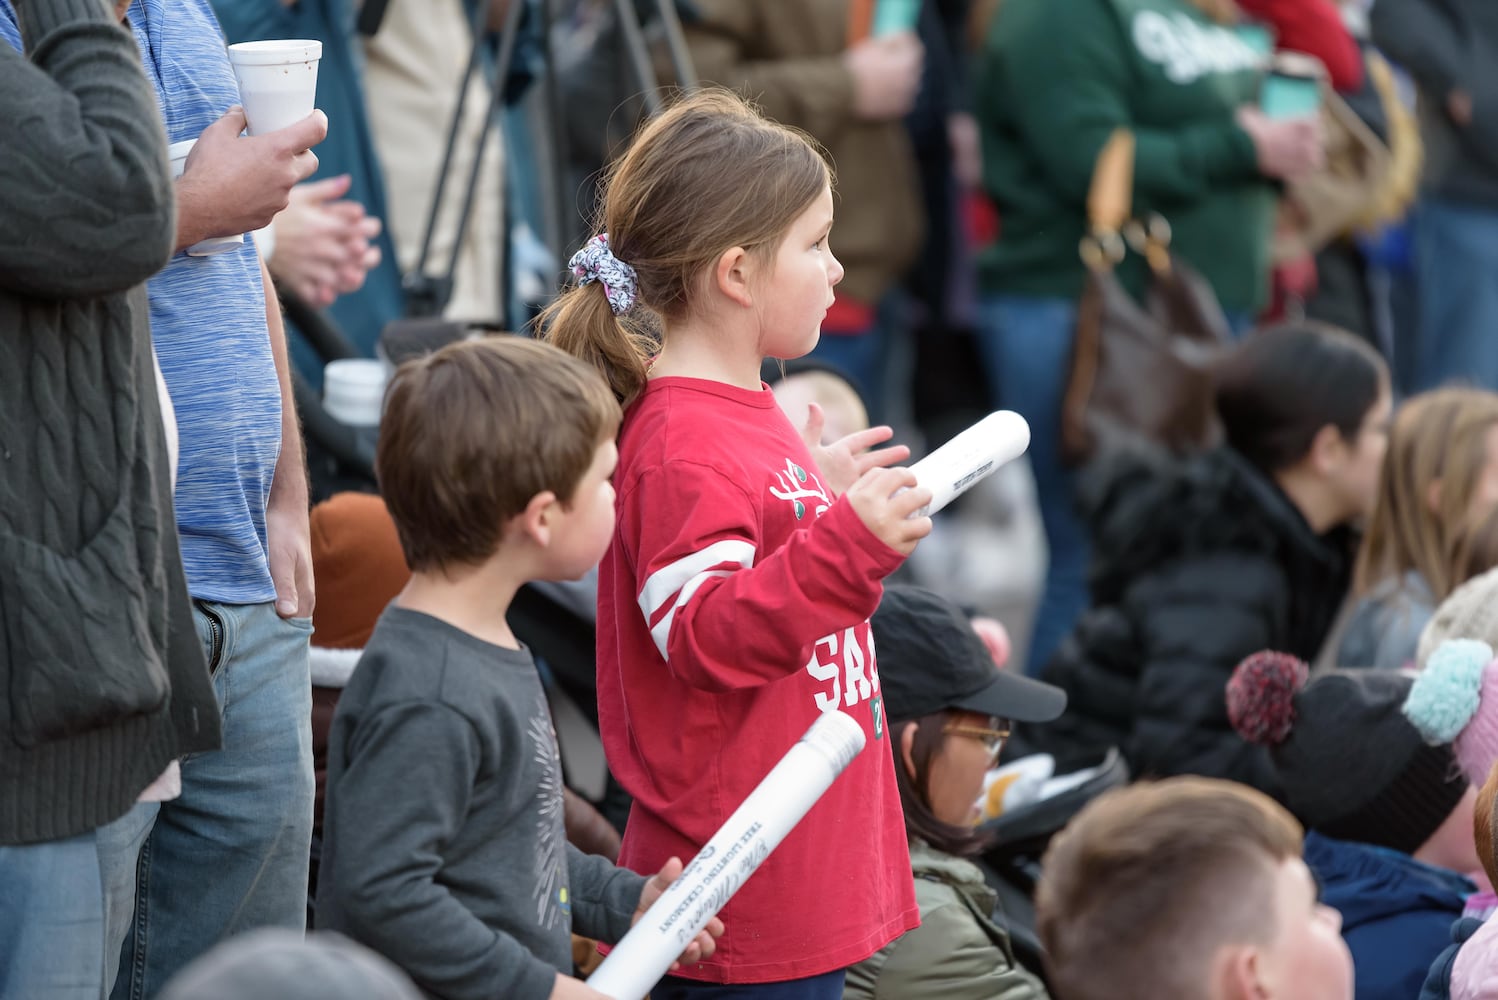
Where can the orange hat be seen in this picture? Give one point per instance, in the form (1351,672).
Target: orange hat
(358,565)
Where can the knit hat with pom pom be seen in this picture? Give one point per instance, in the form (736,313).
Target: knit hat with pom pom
(1455,700)
(1351,765)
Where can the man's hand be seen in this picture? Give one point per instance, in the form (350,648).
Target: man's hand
(843,461)
(323,244)
(288,537)
(120,6)
(706,941)
(235,184)
(886,75)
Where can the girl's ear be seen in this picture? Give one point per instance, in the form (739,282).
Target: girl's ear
(907,741)
(732,276)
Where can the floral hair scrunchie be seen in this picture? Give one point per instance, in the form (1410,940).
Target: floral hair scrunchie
(596,262)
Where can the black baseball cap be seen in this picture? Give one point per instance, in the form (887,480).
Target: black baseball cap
(930,659)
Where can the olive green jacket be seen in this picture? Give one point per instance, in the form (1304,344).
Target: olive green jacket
(958,952)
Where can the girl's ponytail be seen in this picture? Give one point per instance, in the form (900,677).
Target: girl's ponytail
(591,324)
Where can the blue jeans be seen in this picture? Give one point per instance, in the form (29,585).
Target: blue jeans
(828,986)
(64,909)
(1026,345)
(231,854)
(1457,263)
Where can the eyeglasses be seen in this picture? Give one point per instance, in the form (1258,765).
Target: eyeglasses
(994,739)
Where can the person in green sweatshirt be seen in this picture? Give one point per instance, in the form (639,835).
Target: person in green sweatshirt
(1056,79)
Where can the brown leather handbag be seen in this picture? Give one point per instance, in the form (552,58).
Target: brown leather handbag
(1139,370)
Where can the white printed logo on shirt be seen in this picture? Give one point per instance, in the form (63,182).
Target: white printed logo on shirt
(1187,49)
(797,486)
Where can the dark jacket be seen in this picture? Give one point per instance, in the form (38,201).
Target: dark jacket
(1396,912)
(1449,45)
(102,678)
(958,952)
(1196,564)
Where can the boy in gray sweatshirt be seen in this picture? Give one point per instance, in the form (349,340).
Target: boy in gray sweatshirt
(444,846)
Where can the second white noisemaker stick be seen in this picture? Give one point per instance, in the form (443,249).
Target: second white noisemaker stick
(970,457)
(741,844)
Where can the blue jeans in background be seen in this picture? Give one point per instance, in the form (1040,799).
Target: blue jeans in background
(1027,344)
(824,987)
(1456,248)
(231,854)
(65,907)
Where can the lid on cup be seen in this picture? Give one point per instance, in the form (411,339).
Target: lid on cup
(275,52)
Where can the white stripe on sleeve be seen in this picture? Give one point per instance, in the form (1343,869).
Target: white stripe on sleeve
(675,584)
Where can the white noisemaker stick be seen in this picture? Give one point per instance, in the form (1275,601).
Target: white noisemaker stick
(738,848)
(970,457)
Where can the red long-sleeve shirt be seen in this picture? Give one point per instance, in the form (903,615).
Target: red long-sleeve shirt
(733,609)
(1315,28)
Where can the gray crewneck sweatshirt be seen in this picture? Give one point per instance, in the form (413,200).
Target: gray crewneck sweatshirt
(443,844)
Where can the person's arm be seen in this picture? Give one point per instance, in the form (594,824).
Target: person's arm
(1423,37)
(705,584)
(1075,55)
(604,897)
(1315,28)
(85,191)
(1195,621)
(388,857)
(288,532)
(951,957)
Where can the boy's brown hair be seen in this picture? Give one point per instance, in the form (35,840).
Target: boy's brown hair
(1148,882)
(473,432)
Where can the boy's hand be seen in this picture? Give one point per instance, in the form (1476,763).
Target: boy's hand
(567,988)
(844,460)
(884,499)
(706,941)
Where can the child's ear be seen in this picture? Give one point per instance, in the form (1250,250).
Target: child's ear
(732,276)
(535,522)
(1240,975)
(1327,447)
(907,741)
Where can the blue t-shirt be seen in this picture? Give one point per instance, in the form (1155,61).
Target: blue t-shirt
(208,325)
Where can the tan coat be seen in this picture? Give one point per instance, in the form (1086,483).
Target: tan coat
(787,56)
(412,69)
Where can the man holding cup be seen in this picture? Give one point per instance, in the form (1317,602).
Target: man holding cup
(231,853)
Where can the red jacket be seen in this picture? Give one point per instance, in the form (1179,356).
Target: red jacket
(733,608)
(1315,28)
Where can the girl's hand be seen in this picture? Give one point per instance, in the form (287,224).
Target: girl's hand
(843,461)
(886,501)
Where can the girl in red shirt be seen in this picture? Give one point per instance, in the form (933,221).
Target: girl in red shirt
(734,600)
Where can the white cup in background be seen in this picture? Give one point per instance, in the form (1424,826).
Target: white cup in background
(218,244)
(277,81)
(353,390)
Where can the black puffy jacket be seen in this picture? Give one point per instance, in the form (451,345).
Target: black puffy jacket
(1196,564)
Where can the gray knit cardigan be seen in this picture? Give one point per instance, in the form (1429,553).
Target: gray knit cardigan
(102,678)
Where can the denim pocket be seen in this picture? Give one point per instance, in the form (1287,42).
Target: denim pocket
(76,633)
